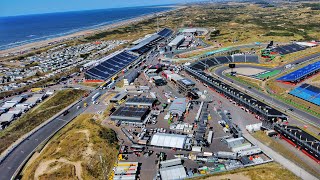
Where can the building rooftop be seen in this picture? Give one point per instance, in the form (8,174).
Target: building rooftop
(173,173)
(168,140)
(186,82)
(137,100)
(130,112)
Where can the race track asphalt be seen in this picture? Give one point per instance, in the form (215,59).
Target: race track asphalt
(17,157)
(281,105)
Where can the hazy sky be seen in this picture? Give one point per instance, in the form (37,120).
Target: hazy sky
(22,7)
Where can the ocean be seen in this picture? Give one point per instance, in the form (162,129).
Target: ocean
(19,30)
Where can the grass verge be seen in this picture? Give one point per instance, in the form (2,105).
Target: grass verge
(83,149)
(247,81)
(38,115)
(284,151)
(261,172)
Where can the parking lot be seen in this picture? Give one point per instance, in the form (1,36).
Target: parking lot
(150,157)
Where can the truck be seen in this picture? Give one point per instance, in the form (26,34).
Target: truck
(95,96)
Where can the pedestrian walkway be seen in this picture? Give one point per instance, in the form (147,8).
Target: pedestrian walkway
(281,160)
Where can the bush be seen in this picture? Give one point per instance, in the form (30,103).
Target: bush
(109,135)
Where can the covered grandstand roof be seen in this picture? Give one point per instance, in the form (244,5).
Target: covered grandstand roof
(213,61)
(110,65)
(168,140)
(301,73)
(178,106)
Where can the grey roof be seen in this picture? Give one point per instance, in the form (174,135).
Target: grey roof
(140,101)
(17,99)
(6,117)
(129,113)
(118,96)
(176,40)
(186,81)
(171,162)
(145,42)
(178,106)
(168,140)
(132,76)
(173,173)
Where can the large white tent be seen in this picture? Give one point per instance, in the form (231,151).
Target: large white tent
(168,140)
(173,173)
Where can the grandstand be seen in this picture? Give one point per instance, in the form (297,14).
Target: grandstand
(147,44)
(110,66)
(213,61)
(300,74)
(287,49)
(308,93)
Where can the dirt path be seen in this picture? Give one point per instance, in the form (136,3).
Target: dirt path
(43,167)
(89,151)
(237,176)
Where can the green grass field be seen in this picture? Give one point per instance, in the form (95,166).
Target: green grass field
(268,74)
(38,115)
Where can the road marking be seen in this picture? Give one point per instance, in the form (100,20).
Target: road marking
(62,120)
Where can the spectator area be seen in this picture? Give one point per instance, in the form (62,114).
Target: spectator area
(213,61)
(287,49)
(300,74)
(308,93)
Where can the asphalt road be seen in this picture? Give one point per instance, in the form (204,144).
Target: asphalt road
(282,106)
(12,162)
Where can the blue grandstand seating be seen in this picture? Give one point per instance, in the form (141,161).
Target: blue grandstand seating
(308,93)
(286,49)
(213,61)
(110,66)
(301,73)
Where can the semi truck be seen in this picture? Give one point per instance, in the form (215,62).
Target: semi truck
(95,96)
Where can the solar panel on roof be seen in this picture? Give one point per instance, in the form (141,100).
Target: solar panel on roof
(110,66)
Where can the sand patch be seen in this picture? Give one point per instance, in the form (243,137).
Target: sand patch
(43,167)
(247,71)
(238,176)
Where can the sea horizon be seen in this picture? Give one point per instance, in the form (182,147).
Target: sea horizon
(24,29)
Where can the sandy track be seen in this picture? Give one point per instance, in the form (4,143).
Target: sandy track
(43,167)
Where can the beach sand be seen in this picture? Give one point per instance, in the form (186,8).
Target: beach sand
(41,44)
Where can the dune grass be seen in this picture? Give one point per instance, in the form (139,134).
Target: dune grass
(38,115)
(84,148)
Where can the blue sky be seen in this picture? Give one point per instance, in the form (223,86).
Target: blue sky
(23,7)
